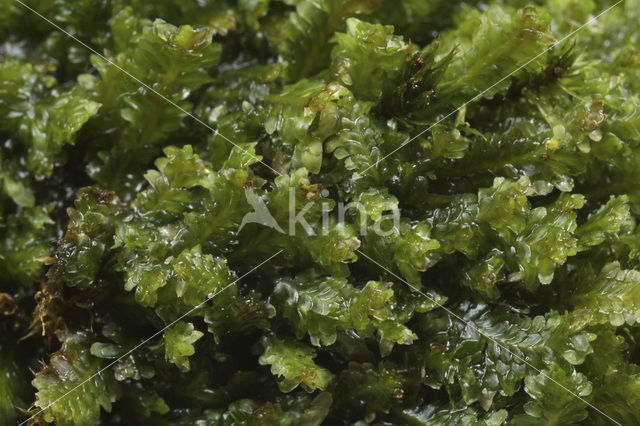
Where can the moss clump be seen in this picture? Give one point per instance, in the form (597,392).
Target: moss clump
(162,268)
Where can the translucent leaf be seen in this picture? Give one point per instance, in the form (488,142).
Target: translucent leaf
(68,391)
(178,341)
(293,363)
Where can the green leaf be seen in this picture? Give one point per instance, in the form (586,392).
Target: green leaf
(178,343)
(20,193)
(303,40)
(551,401)
(322,307)
(199,276)
(465,416)
(43,121)
(491,45)
(175,61)
(369,388)
(613,296)
(70,389)
(616,388)
(292,362)
(603,223)
(364,44)
(495,352)
(88,238)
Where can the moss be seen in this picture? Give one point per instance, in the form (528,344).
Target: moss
(307,212)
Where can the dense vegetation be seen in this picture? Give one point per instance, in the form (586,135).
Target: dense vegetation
(507,293)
